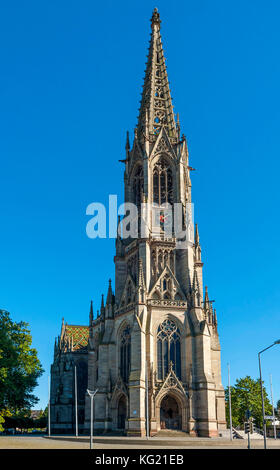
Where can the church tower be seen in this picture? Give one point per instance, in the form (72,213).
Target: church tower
(158,322)
(152,350)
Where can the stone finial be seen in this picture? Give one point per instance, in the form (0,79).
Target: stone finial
(109,299)
(206,303)
(91,313)
(196,238)
(215,318)
(127,144)
(102,308)
(155,18)
(178,126)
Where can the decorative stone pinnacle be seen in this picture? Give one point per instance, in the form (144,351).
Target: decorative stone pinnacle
(155,18)
(91,313)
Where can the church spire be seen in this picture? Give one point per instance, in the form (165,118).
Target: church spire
(156,104)
(109,299)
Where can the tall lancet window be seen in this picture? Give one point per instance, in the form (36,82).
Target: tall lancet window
(168,349)
(162,182)
(138,186)
(82,380)
(125,353)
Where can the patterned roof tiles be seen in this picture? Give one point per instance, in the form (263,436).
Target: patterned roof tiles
(80,335)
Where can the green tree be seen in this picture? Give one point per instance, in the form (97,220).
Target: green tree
(20,367)
(278,408)
(42,421)
(246,394)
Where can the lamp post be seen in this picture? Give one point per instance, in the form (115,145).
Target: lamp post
(91,394)
(49,408)
(147,401)
(76,401)
(229,400)
(272,402)
(263,413)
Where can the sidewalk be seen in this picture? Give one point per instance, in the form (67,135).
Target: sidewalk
(112,442)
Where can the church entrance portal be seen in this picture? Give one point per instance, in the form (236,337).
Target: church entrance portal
(122,413)
(169,414)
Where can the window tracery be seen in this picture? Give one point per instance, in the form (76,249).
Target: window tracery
(168,349)
(162,182)
(138,186)
(125,353)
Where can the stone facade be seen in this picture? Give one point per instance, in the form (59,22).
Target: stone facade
(157,334)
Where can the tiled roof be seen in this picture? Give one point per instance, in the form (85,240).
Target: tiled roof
(79,334)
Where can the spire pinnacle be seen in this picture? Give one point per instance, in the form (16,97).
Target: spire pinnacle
(196,239)
(215,318)
(155,18)
(141,279)
(156,105)
(91,313)
(102,308)
(127,144)
(109,299)
(206,298)
(178,127)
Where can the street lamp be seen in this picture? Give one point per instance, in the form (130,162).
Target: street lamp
(91,394)
(259,354)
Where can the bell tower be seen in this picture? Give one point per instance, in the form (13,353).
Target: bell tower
(152,349)
(159,283)
(157,174)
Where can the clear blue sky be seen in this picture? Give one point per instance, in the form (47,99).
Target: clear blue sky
(70,83)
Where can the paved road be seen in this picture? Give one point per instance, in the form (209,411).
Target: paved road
(61,442)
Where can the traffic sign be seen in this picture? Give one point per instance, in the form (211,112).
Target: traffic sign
(248,414)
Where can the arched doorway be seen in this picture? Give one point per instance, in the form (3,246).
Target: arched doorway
(170,417)
(122,412)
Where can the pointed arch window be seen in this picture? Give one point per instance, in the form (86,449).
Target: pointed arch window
(82,380)
(125,353)
(129,293)
(138,186)
(162,182)
(168,349)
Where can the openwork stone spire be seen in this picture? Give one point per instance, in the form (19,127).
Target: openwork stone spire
(156,110)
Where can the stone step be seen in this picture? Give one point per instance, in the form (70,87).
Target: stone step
(171,433)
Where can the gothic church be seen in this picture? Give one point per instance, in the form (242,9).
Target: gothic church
(153,348)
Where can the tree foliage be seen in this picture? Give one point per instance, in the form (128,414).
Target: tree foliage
(23,421)
(246,394)
(20,367)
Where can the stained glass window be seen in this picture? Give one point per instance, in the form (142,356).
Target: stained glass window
(162,182)
(125,352)
(168,349)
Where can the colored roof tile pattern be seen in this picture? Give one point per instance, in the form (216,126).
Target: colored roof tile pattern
(80,335)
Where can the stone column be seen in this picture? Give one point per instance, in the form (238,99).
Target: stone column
(136,420)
